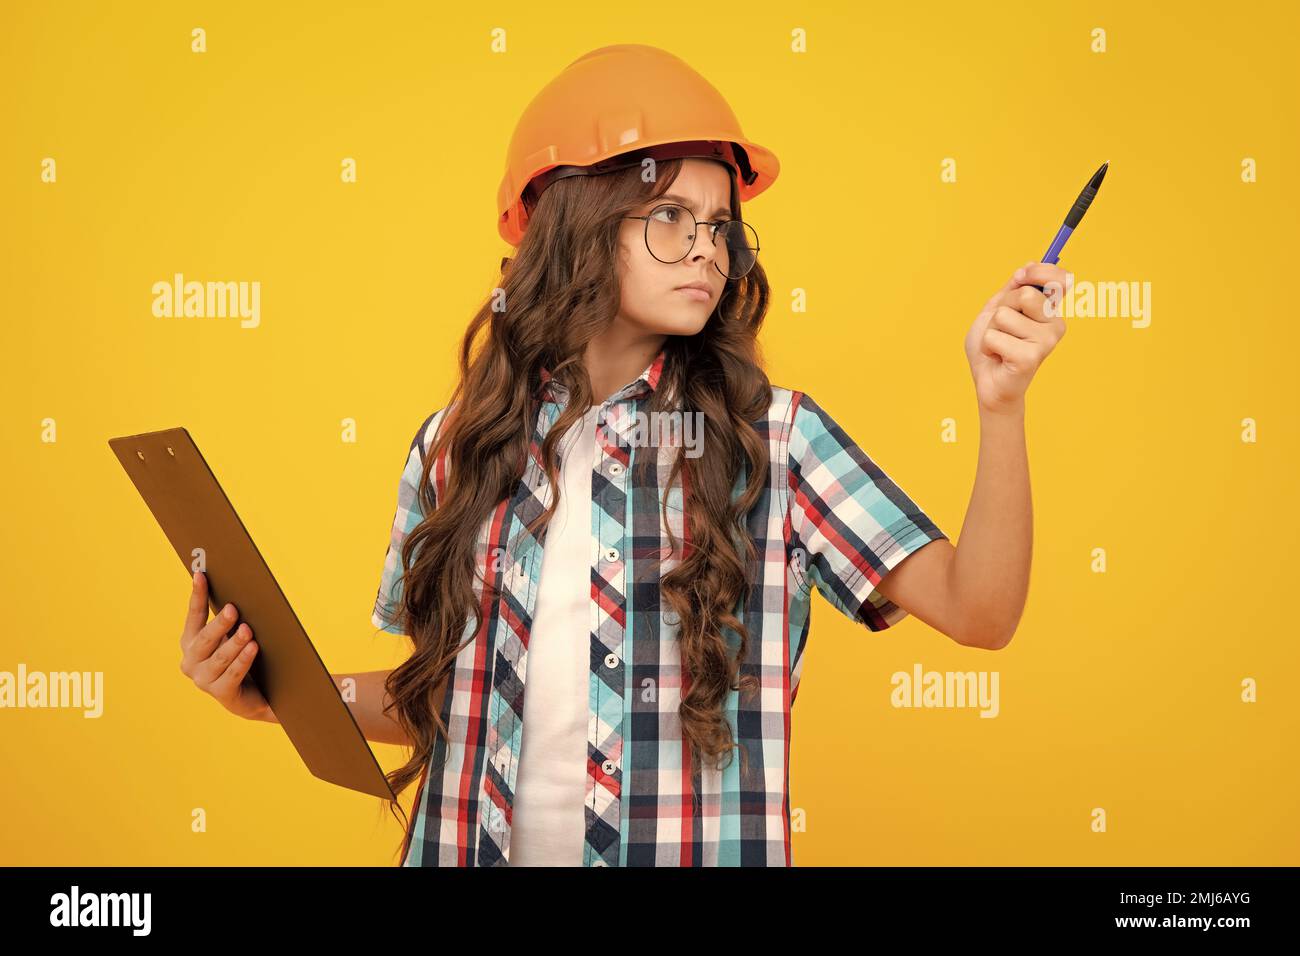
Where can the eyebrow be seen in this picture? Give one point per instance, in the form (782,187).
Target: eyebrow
(669,197)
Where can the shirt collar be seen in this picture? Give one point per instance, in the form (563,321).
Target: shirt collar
(643,384)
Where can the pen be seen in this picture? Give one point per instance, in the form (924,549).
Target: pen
(1072,217)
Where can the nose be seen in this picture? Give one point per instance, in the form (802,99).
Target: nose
(704,248)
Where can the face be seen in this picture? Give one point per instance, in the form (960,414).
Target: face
(653,300)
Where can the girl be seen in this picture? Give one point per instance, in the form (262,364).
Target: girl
(607,539)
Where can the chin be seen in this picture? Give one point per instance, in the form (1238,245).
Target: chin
(680,322)
(686,324)
(688,318)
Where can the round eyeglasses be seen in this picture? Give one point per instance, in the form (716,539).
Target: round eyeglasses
(670,236)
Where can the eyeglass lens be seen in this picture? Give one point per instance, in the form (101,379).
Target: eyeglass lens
(670,233)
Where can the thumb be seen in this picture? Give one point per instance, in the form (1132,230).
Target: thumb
(197,614)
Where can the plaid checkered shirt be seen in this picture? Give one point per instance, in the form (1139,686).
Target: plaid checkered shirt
(830,519)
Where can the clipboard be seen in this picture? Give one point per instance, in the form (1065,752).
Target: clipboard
(189,505)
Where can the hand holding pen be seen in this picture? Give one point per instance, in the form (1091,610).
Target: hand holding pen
(1016,330)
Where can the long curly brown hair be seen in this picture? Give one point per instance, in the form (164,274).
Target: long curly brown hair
(562,289)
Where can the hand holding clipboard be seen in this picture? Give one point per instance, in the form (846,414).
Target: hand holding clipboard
(286,671)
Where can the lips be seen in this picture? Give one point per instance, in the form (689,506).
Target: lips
(699,291)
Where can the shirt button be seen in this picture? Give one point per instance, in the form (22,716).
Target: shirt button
(615,469)
(611,660)
(671,618)
(611,554)
(608,767)
(600,863)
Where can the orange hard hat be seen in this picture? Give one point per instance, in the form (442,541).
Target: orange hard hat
(610,109)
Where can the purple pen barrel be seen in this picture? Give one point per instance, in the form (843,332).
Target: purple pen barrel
(1053,254)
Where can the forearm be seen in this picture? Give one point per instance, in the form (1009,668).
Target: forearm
(366,697)
(990,569)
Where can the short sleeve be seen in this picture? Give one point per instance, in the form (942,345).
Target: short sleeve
(850,524)
(407,517)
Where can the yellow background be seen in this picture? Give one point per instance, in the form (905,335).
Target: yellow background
(1121,690)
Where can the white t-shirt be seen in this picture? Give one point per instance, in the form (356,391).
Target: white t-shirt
(549,821)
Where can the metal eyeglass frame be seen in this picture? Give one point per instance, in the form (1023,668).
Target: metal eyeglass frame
(715,225)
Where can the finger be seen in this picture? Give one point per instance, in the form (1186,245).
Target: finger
(1045,307)
(209,670)
(198,609)
(1015,281)
(1030,303)
(1012,282)
(1022,299)
(1016,352)
(1039,274)
(227,685)
(1016,323)
(203,643)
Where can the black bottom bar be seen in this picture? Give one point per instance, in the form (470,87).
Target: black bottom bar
(920,904)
